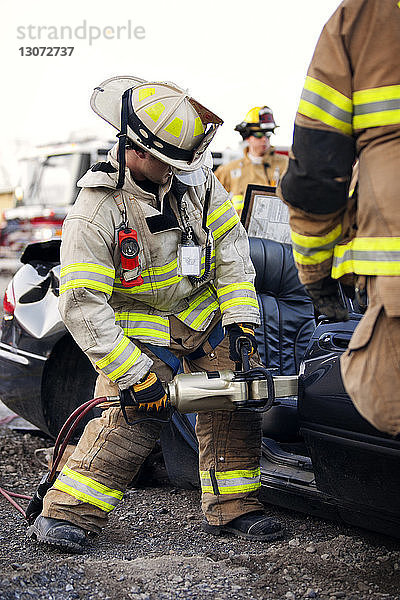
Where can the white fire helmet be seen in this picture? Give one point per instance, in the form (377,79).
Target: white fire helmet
(159,117)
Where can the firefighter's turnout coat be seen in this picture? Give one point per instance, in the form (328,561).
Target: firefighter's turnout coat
(102,314)
(235,176)
(349,109)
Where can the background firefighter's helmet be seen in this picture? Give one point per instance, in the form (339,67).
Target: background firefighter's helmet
(160,117)
(258,119)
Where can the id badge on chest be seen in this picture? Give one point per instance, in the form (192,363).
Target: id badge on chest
(189,259)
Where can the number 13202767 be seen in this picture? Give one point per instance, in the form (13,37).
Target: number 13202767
(46,50)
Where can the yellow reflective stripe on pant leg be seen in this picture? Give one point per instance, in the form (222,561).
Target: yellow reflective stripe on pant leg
(323,103)
(231,482)
(367,256)
(87,490)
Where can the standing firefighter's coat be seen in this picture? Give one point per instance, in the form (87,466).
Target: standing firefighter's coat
(349,109)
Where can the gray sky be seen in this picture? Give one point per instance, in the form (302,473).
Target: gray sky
(230,55)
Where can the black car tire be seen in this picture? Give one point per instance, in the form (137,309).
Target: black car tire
(181,461)
(68,381)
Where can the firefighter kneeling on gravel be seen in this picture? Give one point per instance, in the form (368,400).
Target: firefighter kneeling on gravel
(155,267)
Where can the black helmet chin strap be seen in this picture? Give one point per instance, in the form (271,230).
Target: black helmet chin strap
(122,140)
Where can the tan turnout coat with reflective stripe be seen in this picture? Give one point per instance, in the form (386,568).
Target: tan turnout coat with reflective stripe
(102,315)
(353,88)
(235,176)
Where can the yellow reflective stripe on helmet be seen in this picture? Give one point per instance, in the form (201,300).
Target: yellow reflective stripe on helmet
(238,202)
(155,110)
(145,93)
(175,127)
(367,256)
(198,127)
(322,102)
(87,275)
(87,489)
(314,250)
(375,107)
(231,482)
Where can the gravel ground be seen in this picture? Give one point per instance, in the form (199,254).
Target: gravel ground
(154,549)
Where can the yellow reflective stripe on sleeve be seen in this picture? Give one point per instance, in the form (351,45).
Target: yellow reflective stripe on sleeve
(314,250)
(233,287)
(91,267)
(134,324)
(322,102)
(87,489)
(220,225)
(238,302)
(113,354)
(199,309)
(217,233)
(218,212)
(125,366)
(316,259)
(86,283)
(87,275)
(367,256)
(376,107)
(237,294)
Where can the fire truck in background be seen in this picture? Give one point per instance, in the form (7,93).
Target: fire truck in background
(46,189)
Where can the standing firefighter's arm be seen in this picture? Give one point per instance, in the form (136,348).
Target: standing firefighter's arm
(316,184)
(87,279)
(235,274)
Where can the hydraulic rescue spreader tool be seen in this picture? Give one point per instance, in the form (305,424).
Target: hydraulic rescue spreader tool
(253,389)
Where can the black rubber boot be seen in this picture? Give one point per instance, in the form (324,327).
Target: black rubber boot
(58,533)
(252,526)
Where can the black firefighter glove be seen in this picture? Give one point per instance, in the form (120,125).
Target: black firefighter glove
(327,300)
(239,334)
(148,394)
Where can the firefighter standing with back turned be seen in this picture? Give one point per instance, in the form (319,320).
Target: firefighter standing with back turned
(260,163)
(155,267)
(350,108)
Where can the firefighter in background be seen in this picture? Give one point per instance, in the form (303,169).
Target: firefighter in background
(260,162)
(138,292)
(349,109)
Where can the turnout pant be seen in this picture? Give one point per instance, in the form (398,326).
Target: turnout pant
(110,452)
(371,365)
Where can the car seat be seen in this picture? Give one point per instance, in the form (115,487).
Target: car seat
(287,323)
